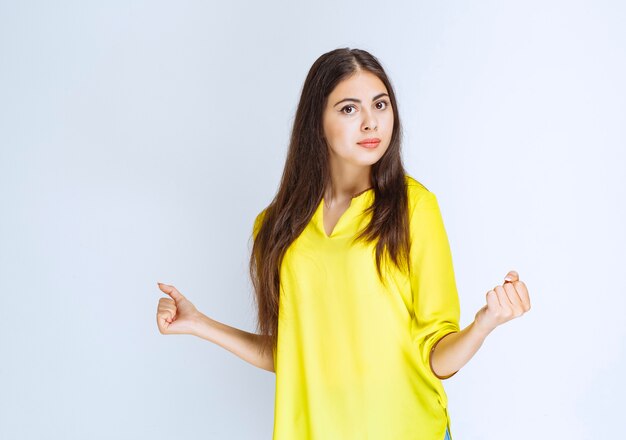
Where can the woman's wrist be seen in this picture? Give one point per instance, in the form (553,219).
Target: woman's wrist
(199,324)
(481,329)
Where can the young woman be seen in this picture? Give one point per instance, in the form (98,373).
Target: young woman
(358,310)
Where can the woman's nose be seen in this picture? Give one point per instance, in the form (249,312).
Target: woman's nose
(369,122)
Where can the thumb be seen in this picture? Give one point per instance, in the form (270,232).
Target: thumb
(511,276)
(171,291)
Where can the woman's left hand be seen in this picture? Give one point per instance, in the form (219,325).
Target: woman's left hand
(504,303)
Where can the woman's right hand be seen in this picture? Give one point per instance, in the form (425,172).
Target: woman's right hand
(176,315)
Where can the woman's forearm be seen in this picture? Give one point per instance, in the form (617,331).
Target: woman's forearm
(505,302)
(241,343)
(454,350)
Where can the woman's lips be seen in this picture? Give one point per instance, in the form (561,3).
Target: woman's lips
(369,144)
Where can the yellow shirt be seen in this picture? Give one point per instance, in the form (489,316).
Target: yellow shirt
(352,360)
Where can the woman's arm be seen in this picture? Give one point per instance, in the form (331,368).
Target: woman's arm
(506,302)
(177,315)
(455,350)
(243,344)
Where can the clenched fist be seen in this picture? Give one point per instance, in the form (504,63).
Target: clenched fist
(504,303)
(175,315)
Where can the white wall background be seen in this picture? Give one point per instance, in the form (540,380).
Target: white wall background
(138,140)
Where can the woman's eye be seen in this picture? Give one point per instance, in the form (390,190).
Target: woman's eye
(383,102)
(348,106)
(385,105)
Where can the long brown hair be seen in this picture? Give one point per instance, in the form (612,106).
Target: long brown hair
(305,177)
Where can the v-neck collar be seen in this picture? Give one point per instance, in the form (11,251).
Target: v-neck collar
(358,204)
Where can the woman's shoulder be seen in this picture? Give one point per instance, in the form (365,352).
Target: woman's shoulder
(258,221)
(417,193)
(413,184)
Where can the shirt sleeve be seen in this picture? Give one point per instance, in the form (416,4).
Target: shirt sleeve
(433,285)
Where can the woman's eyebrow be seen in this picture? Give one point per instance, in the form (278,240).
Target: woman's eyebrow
(358,100)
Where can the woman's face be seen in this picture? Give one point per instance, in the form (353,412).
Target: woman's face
(358,109)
